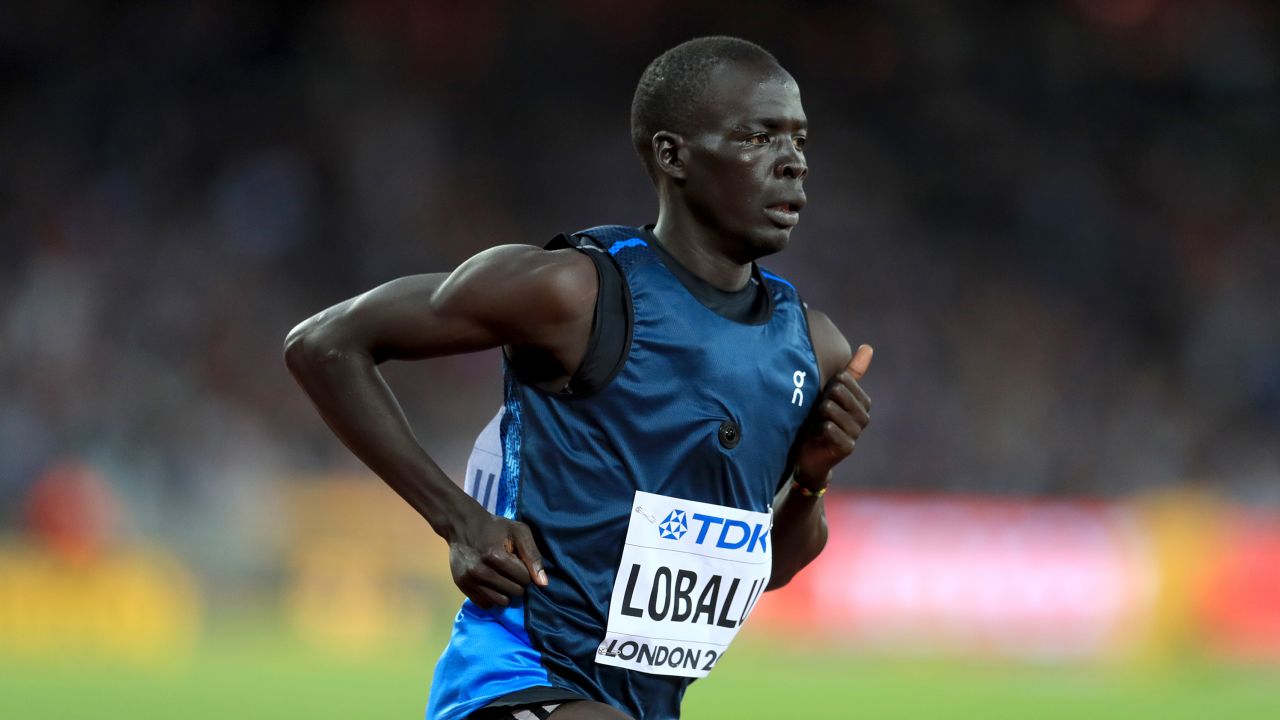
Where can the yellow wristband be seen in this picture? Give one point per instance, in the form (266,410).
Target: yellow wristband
(808,492)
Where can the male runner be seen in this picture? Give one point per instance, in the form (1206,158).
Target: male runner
(671,418)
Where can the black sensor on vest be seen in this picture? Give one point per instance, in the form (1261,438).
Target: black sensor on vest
(730,435)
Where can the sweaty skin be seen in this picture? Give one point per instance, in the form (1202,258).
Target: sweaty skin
(729,189)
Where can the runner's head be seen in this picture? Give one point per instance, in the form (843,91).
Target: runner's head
(719,126)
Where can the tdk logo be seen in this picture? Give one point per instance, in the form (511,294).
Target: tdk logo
(729,534)
(674,526)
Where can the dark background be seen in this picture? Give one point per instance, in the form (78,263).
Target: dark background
(1058,222)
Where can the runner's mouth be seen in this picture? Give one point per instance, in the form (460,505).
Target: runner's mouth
(783,214)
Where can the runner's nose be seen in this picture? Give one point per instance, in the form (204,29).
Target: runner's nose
(792,165)
(794,170)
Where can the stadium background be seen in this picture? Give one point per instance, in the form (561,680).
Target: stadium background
(1058,222)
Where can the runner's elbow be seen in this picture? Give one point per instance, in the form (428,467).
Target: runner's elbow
(312,342)
(296,349)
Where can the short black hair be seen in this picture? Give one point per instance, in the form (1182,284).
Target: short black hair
(669,88)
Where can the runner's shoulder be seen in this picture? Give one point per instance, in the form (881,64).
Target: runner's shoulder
(559,283)
(829,344)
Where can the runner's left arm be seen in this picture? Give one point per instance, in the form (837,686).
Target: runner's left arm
(827,437)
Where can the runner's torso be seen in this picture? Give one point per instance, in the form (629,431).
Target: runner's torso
(650,497)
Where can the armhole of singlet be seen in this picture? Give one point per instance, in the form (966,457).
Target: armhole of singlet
(804,312)
(611,324)
(808,333)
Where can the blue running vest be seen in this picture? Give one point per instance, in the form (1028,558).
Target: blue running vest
(675,461)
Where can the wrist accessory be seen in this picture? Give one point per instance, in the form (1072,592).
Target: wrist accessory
(808,491)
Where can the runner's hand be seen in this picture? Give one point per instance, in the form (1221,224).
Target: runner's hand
(492,559)
(842,413)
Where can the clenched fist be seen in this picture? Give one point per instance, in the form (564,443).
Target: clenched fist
(838,419)
(492,559)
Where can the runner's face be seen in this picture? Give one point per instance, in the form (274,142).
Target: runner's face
(746,164)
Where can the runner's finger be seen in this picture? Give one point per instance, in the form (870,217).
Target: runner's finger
(844,394)
(839,442)
(486,576)
(861,361)
(860,396)
(487,599)
(845,421)
(509,566)
(527,550)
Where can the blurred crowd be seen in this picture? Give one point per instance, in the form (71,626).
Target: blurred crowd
(1058,222)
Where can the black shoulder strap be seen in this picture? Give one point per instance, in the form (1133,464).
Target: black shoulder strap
(611,325)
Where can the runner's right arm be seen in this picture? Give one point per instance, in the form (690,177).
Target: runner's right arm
(528,299)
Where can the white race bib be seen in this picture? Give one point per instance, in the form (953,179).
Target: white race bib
(690,574)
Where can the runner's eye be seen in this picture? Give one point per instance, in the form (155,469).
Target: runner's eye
(800,141)
(758,139)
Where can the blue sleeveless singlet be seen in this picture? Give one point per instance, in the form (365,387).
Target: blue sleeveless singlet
(649,499)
